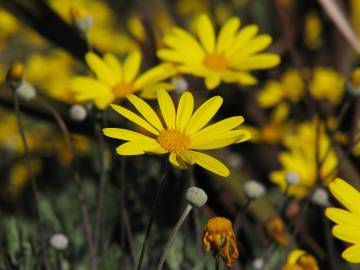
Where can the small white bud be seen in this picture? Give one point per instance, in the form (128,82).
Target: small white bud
(84,24)
(258,263)
(196,196)
(59,241)
(235,160)
(253,189)
(320,197)
(292,178)
(26,91)
(78,113)
(180,84)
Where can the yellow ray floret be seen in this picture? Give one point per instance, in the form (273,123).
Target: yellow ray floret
(180,131)
(114,80)
(347,221)
(228,57)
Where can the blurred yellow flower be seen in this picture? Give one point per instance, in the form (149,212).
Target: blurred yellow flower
(8,24)
(184,131)
(300,260)
(313,30)
(115,80)
(347,221)
(299,161)
(219,237)
(229,57)
(289,88)
(327,84)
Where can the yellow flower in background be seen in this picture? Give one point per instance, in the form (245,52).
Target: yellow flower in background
(115,80)
(289,88)
(300,260)
(313,30)
(327,84)
(347,221)
(219,237)
(355,16)
(299,164)
(8,25)
(230,57)
(184,131)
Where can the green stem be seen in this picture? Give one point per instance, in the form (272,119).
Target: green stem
(171,239)
(154,210)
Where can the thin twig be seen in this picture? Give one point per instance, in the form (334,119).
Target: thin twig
(154,210)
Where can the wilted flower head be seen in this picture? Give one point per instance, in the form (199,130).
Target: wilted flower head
(15,74)
(300,260)
(229,57)
(196,196)
(219,237)
(254,189)
(276,229)
(184,131)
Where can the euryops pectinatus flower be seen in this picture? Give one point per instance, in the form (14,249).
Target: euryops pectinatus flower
(228,58)
(219,237)
(300,260)
(347,221)
(115,80)
(181,132)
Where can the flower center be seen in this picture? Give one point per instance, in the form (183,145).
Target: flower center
(174,141)
(215,61)
(123,89)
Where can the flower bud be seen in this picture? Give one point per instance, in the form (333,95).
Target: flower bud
(15,74)
(81,19)
(78,113)
(179,83)
(320,197)
(253,189)
(235,160)
(59,241)
(292,178)
(258,263)
(196,196)
(26,91)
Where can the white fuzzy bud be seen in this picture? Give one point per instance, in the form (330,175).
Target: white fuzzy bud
(26,91)
(59,241)
(78,113)
(180,84)
(253,189)
(292,178)
(320,197)
(235,160)
(196,196)
(84,24)
(258,263)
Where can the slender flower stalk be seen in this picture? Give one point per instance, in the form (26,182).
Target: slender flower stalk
(154,210)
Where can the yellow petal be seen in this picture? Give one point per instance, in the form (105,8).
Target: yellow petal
(134,118)
(212,80)
(295,255)
(257,44)
(241,77)
(259,61)
(218,141)
(146,111)
(139,148)
(227,34)
(155,75)
(203,114)
(184,110)
(206,33)
(210,163)
(170,56)
(341,216)
(346,195)
(125,134)
(114,66)
(131,66)
(218,128)
(98,66)
(167,108)
(176,161)
(150,92)
(352,254)
(241,39)
(88,87)
(347,233)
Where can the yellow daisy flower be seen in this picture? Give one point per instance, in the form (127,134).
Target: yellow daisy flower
(299,164)
(347,221)
(115,80)
(228,58)
(300,260)
(183,132)
(290,87)
(327,84)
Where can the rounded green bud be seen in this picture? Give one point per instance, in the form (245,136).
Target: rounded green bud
(196,196)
